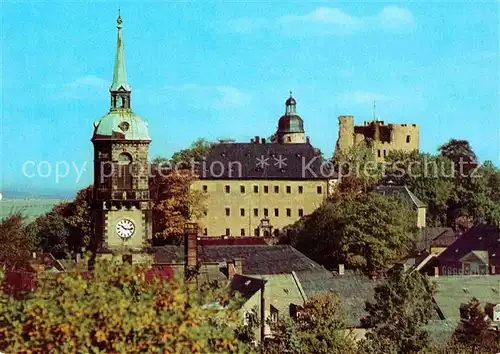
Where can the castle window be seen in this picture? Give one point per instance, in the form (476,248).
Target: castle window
(266,189)
(288,189)
(124,180)
(385,153)
(242,232)
(255,212)
(228,211)
(205,188)
(301,212)
(319,190)
(276,232)
(289,138)
(228,189)
(301,189)
(205,232)
(288,212)
(228,232)
(242,212)
(266,212)
(242,189)
(276,189)
(378,153)
(256,189)
(256,232)
(276,212)
(407,138)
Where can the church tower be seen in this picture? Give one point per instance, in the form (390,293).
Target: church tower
(290,125)
(122,205)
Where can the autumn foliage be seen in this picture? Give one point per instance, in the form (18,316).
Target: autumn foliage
(115,310)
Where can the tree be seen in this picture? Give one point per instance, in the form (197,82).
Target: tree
(357,169)
(54,232)
(175,202)
(429,177)
(320,328)
(15,246)
(365,232)
(403,306)
(115,310)
(475,331)
(459,151)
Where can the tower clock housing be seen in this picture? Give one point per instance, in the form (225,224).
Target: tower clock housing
(122,205)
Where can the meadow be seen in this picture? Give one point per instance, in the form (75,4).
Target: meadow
(30,208)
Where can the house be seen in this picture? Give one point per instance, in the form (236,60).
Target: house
(477,251)
(403,193)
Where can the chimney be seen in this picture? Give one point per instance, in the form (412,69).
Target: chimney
(493,269)
(234,267)
(436,272)
(341,269)
(190,246)
(263,141)
(257,139)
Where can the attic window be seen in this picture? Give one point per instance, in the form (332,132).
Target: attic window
(247,283)
(285,290)
(465,290)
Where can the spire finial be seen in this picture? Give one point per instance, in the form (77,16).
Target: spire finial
(291,93)
(119,20)
(374,110)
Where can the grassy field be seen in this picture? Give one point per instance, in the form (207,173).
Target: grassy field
(30,208)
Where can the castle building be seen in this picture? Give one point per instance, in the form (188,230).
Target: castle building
(122,205)
(379,136)
(259,188)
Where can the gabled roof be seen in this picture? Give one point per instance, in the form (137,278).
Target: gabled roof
(264,161)
(227,241)
(257,259)
(435,237)
(480,237)
(400,192)
(353,291)
(481,256)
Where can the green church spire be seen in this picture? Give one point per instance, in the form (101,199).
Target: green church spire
(120,74)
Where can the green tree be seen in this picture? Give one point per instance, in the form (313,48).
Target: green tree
(320,328)
(357,169)
(403,306)
(429,177)
(115,310)
(15,245)
(475,331)
(365,232)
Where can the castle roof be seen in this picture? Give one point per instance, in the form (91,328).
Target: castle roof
(121,125)
(264,161)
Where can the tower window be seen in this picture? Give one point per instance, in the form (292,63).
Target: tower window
(288,212)
(266,212)
(242,212)
(266,189)
(242,232)
(289,138)
(255,212)
(205,232)
(228,232)
(319,190)
(288,189)
(301,212)
(276,189)
(408,138)
(228,188)
(378,153)
(385,153)
(205,188)
(301,189)
(276,212)
(242,189)
(124,180)
(228,211)
(256,189)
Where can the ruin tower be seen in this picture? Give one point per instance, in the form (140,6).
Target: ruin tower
(122,205)
(290,125)
(345,139)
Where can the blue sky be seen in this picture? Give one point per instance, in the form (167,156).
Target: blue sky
(223,69)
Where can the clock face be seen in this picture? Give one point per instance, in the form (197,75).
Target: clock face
(125,228)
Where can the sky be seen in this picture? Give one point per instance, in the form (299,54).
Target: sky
(224,70)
